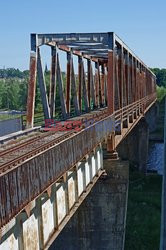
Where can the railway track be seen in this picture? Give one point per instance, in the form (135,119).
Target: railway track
(10,158)
(18,153)
(22,144)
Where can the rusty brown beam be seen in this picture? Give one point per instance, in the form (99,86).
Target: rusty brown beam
(31,90)
(110,82)
(53,81)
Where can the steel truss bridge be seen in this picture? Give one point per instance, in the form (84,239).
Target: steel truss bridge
(107,89)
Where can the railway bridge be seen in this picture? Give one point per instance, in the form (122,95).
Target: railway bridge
(65,185)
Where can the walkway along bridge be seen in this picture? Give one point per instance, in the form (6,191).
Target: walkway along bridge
(45,177)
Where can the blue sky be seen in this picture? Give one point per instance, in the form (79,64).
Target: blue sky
(140,24)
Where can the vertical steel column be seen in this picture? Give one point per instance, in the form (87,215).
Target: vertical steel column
(148,82)
(80,82)
(110,82)
(136,79)
(140,81)
(144,83)
(61,90)
(102,84)
(32,82)
(74,88)
(132,80)
(121,76)
(127,77)
(89,82)
(93,89)
(105,85)
(53,81)
(117,94)
(97,83)
(84,89)
(124,81)
(68,83)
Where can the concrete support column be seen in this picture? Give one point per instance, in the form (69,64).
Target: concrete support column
(135,146)
(99,223)
(151,117)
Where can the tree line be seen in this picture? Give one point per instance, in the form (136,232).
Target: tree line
(161,76)
(14,84)
(14,89)
(161,82)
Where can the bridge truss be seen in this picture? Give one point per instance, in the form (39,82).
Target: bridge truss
(110,85)
(115,76)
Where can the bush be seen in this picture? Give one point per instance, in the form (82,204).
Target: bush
(161,93)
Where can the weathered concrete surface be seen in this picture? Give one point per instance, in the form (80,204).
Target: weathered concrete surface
(99,223)
(151,117)
(135,146)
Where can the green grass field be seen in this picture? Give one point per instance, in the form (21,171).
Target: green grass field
(144,210)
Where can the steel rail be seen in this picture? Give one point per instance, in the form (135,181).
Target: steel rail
(13,163)
(25,143)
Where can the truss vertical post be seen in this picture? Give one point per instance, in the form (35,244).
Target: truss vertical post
(68,83)
(89,81)
(97,83)
(111,73)
(130,79)
(121,76)
(102,84)
(127,77)
(61,90)
(32,82)
(110,82)
(93,89)
(133,80)
(74,88)
(80,82)
(84,88)
(53,81)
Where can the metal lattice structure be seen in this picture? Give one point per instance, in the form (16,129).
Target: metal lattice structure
(115,76)
(114,94)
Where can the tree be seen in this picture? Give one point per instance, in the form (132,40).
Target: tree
(161,76)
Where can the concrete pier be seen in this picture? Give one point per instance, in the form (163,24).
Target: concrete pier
(135,146)
(99,223)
